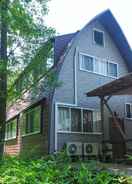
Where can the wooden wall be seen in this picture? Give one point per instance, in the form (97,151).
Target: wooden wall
(30,144)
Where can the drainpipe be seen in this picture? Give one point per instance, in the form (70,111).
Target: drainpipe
(102,123)
(75,75)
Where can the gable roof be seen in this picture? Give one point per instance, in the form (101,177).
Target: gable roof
(60,44)
(109,22)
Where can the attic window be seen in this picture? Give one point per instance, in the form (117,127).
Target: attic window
(98,37)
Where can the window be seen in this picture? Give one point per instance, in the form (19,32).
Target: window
(98,37)
(11,129)
(98,66)
(64,119)
(96,121)
(87,63)
(87,121)
(32,121)
(112,69)
(129,110)
(77,120)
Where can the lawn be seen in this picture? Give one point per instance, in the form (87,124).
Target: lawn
(56,169)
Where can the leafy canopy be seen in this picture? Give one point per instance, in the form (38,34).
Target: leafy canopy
(27,34)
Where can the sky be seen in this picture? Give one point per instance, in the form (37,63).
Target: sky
(68,16)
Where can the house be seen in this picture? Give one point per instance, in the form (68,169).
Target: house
(83,61)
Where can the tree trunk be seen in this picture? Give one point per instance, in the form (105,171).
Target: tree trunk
(3,73)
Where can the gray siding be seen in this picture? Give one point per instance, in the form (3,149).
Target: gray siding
(86,81)
(76,137)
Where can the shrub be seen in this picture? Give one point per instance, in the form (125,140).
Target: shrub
(55,169)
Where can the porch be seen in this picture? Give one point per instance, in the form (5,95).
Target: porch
(118,138)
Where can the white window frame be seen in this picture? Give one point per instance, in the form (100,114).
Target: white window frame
(70,106)
(117,68)
(126,111)
(56,123)
(99,30)
(81,54)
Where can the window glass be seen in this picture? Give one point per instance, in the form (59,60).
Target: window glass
(87,63)
(11,129)
(128,111)
(112,69)
(75,120)
(96,122)
(78,120)
(32,120)
(100,66)
(23,120)
(37,119)
(98,37)
(87,121)
(64,119)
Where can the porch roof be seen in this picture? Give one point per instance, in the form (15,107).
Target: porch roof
(120,86)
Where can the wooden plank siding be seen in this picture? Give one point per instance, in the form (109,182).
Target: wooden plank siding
(33,143)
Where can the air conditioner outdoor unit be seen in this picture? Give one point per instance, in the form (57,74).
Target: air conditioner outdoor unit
(91,149)
(109,152)
(74,148)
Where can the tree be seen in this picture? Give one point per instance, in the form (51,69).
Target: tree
(3,74)
(23,32)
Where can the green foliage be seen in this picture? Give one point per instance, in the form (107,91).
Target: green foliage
(17,16)
(129,157)
(34,72)
(55,169)
(27,34)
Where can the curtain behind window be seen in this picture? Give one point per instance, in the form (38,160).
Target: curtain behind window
(75,120)
(87,63)
(112,69)
(87,121)
(96,122)
(64,123)
(100,66)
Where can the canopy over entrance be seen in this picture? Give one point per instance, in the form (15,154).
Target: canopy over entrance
(120,86)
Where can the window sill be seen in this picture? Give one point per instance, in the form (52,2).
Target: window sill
(10,139)
(128,118)
(87,133)
(33,133)
(81,69)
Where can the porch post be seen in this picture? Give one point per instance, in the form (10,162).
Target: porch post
(102,123)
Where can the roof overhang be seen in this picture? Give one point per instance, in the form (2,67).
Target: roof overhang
(120,86)
(110,23)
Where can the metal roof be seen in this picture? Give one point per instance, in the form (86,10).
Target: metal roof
(61,43)
(120,86)
(111,25)
(109,22)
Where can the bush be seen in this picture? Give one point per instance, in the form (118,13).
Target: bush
(55,169)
